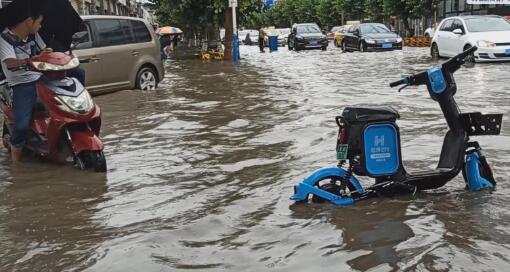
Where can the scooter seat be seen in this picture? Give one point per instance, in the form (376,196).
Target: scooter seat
(369,114)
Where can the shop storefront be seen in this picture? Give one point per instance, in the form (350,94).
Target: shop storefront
(448,8)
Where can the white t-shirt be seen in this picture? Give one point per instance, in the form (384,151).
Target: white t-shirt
(23,51)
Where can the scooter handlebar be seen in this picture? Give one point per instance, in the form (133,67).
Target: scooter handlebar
(18,68)
(451,66)
(466,53)
(398,82)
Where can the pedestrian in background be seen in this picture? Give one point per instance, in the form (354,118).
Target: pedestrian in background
(175,40)
(165,44)
(262,34)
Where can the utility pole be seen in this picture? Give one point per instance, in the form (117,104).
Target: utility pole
(235,49)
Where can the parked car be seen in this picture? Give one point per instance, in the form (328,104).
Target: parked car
(339,35)
(118,53)
(307,36)
(283,35)
(371,37)
(429,32)
(332,32)
(490,33)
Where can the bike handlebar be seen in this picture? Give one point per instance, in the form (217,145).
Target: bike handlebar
(450,66)
(398,82)
(18,68)
(464,54)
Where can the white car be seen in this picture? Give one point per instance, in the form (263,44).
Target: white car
(429,32)
(490,33)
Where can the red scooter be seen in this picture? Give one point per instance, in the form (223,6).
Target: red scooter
(66,121)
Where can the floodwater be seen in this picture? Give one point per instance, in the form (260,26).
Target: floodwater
(201,171)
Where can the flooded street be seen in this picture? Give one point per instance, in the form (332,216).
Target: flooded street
(201,171)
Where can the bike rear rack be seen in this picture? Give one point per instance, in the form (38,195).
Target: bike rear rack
(477,124)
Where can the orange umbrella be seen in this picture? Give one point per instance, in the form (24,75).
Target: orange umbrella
(168,30)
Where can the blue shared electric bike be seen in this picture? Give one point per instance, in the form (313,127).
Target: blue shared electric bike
(368,144)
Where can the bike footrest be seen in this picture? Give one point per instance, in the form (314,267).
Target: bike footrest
(476,123)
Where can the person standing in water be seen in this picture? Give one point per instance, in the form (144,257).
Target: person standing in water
(262,34)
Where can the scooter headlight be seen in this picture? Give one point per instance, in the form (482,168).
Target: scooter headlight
(80,104)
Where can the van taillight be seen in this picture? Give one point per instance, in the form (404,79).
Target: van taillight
(342,136)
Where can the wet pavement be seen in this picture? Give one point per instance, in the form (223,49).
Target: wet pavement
(201,171)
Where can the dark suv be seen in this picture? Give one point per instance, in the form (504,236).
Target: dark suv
(307,36)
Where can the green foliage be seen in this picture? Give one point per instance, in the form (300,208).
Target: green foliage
(204,14)
(189,14)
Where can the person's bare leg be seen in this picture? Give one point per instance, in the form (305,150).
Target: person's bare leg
(16,153)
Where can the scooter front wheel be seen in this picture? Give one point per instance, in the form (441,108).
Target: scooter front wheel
(329,184)
(91,160)
(336,185)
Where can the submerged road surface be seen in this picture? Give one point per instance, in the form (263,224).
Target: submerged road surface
(201,171)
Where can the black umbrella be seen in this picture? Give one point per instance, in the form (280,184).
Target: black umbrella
(60,20)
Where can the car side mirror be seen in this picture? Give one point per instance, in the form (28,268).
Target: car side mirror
(458,31)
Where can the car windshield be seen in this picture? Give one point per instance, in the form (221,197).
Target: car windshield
(308,29)
(487,24)
(374,28)
(254,33)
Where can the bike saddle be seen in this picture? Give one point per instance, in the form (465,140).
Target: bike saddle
(369,114)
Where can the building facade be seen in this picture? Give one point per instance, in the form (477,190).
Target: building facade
(131,8)
(448,8)
(4,2)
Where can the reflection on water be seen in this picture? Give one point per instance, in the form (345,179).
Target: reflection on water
(201,172)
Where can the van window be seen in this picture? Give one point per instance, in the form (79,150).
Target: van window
(142,34)
(113,32)
(81,39)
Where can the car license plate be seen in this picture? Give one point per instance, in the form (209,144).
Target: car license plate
(387,45)
(507,52)
(313,42)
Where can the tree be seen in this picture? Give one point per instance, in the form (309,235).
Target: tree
(374,10)
(409,9)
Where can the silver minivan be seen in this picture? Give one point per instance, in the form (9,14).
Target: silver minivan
(118,53)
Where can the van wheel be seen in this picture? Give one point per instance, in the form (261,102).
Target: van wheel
(146,79)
